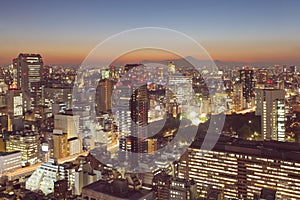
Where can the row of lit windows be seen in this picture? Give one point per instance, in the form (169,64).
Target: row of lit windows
(208,169)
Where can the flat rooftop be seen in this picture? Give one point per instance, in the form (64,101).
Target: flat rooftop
(105,187)
(8,153)
(286,151)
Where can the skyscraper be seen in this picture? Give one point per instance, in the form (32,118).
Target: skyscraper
(103,95)
(270,105)
(61,147)
(238,98)
(14,99)
(139,105)
(133,120)
(132,110)
(122,110)
(247,80)
(68,123)
(29,67)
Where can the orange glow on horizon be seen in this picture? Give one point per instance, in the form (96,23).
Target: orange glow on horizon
(218,51)
(141,55)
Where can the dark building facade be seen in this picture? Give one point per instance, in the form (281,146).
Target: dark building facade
(247,80)
(103,96)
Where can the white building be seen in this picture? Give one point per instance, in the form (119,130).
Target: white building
(10,161)
(181,86)
(47,174)
(14,99)
(85,175)
(68,124)
(271,106)
(122,111)
(75,146)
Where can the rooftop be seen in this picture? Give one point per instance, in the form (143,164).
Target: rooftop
(266,149)
(116,189)
(8,153)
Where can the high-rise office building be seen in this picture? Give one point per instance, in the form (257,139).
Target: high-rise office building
(60,144)
(270,105)
(139,108)
(104,95)
(246,78)
(14,99)
(29,73)
(75,146)
(68,123)
(238,98)
(124,120)
(241,168)
(132,117)
(180,89)
(27,142)
(10,161)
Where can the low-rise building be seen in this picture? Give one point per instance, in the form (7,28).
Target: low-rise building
(114,190)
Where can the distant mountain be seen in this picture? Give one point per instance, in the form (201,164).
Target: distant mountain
(224,64)
(183,62)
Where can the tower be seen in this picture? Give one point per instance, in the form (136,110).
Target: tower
(139,106)
(238,98)
(67,123)
(60,144)
(247,80)
(29,67)
(271,107)
(103,95)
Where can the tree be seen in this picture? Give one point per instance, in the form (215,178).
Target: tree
(245,131)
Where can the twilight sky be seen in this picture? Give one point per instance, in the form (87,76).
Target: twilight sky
(66,31)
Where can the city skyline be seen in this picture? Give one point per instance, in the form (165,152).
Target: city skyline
(149,131)
(65,33)
(150,100)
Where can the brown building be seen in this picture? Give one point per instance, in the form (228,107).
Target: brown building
(61,189)
(103,96)
(60,145)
